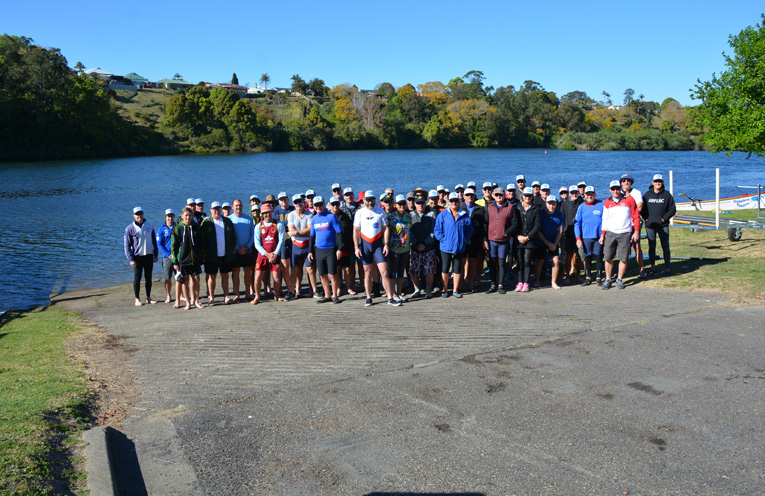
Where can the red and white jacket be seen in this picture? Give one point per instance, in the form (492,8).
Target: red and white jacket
(620,216)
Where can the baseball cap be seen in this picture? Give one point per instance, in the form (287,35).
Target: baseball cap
(420,199)
(190,201)
(527,191)
(432,194)
(581,183)
(281,195)
(267,207)
(573,188)
(626,176)
(520,177)
(409,196)
(370,194)
(487,184)
(310,192)
(169,211)
(535,183)
(386,197)
(440,188)
(510,186)
(361,196)
(658,177)
(335,186)
(226,205)
(296,197)
(545,186)
(254,197)
(347,190)
(562,188)
(459,186)
(137,210)
(470,191)
(551,198)
(199,200)
(401,199)
(589,189)
(215,205)
(255,207)
(471,184)
(498,191)
(318,199)
(454,196)
(614,184)
(334,199)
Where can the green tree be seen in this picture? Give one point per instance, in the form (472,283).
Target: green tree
(576,96)
(629,93)
(80,67)
(385,90)
(265,79)
(316,86)
(299,85)
(234,79)
(733,105)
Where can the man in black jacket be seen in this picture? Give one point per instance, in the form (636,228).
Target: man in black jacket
(658,208)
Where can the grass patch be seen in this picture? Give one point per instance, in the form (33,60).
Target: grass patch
(133,105)
(744,214)
(740,276)
(42,404)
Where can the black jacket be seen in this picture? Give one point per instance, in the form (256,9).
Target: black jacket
(531,223)
(658,208)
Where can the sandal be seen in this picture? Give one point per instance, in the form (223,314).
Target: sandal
(227,301)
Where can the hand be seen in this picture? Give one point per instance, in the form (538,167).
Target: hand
(177,267)
(310,257)
(420,247)
(242,250)
(385,250)
(486,245)
(602,240)
(293,232)
(358,253)
(579,243)
(155,259)
(339,254)
(635,237)
(132,263)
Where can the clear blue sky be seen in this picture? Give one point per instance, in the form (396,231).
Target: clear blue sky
(658,48)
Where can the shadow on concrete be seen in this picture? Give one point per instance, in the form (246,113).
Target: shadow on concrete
(55,297)
(423,494)
(128,473)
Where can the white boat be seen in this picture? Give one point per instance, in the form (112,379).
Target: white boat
(734,203)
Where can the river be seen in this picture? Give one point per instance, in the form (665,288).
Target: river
(65,220)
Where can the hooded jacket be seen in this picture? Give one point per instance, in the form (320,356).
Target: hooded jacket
(187,245)
(453,234)
(658,208)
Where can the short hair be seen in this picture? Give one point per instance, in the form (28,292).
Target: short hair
(187,209)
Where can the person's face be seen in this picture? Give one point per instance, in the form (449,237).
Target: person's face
(420,206)
(487,192)
(626,184)
(657,185)
(551,206)
(319,207)
(521,184)
(535,189)
(410,204)
(309,200)
(298,206)
(387,205)
(469,199)
(265,216)
(226,211)
(284,203)
(581,189)
(545,192)
(186,217)
(337,192)
(138,216)
(169,219)
(216,213)
(589,198)
(461,192)
(574,195)
(200,207)
(616,192)
(369,202)
(334,208)
(432,201)
(348,198)
(454,205)
(238,208)
(441,195)
(401,207)
(499,198)
(527,199)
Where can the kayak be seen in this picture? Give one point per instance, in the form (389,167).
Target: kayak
(733,203)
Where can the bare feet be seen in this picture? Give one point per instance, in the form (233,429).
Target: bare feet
(227,300)
(168,300)
(211,302)
(198,305)
(138,303)
(555,286)
(187,307)
(255,302)
(236,300)
(177,305)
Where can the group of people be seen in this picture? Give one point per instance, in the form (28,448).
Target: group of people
(389,237)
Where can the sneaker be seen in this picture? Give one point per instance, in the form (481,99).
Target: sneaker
(444,294)
(335,300)
(586,282)
(290,296)
(317,295)
(519,287)
(491,290)
(368,303)
(457,295)
(402,298)
(415,294)
(607,284)
(525,288)
(394,303)
(428,294)
(501,290)
(599,282)
(619,284)
(323,300)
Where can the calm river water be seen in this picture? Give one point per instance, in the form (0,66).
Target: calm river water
(72,215)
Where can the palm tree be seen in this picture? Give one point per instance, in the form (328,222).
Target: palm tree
(265,79)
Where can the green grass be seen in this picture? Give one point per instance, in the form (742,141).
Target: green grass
(145,106)
(42,403)
(744,214)
(742,275)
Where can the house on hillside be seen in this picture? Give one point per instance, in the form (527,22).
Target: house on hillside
(138,80)
(614,107)
(173,84)
(98,72)
(236,88)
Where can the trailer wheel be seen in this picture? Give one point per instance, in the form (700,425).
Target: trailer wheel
(734,234)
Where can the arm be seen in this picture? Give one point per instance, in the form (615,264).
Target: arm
(386,239)
(154,242)
(128,241)
(438,229)
(515,222)
(280,230)
(258,242)
(671,209)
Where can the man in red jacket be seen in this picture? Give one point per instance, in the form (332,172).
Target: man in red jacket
(620,227)
(503,222)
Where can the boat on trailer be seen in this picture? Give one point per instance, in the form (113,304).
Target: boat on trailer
(733,203)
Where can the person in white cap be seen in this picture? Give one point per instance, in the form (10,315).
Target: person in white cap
(337,190)
(226,209)
(188,257)
(460,190)
(219,236)
(453,231)
(199,214)
(164,243)
(620,216)
(520,182)
(549,235)
(530,222)
(281,215)
(371,236)
(627,181)
(400,222)
(433,202)
(658,209)
(487,199)
(140,242)
(299,227)
(269,236)
(244,257)
(475,254)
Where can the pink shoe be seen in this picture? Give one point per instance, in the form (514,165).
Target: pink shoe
(525,288)
(518,287)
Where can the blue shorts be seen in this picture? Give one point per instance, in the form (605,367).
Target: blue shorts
(286,253)
(591,246)
(299,256)
(371,252)
(498,249)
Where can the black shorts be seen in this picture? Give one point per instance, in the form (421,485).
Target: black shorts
(345,262)
(246,260)
(475,249)
(286,252)
(397,264)
(541,251)
(450,262)
(218,266)
(326,261)
(191,270)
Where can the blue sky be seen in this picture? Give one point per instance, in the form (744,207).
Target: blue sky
(658,48)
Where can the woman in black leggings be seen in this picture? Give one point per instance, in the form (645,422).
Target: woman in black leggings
(531,222)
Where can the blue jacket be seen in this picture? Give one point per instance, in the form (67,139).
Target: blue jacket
(164,240)
(588,220)
(453,234)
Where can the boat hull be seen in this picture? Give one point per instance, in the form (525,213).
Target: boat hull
(735,203)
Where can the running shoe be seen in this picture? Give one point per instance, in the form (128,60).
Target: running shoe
(457,295)
(416,293)
(501,290)
(368,303)
(290,296)
(317,295)
(619,284)
(335,300)
(599,282)
(394,303)
(402,298)
(519,287)
(444,294)
(525,288)
(586,282)
(607,284)
(491,290)
(428,294)
(324,300)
